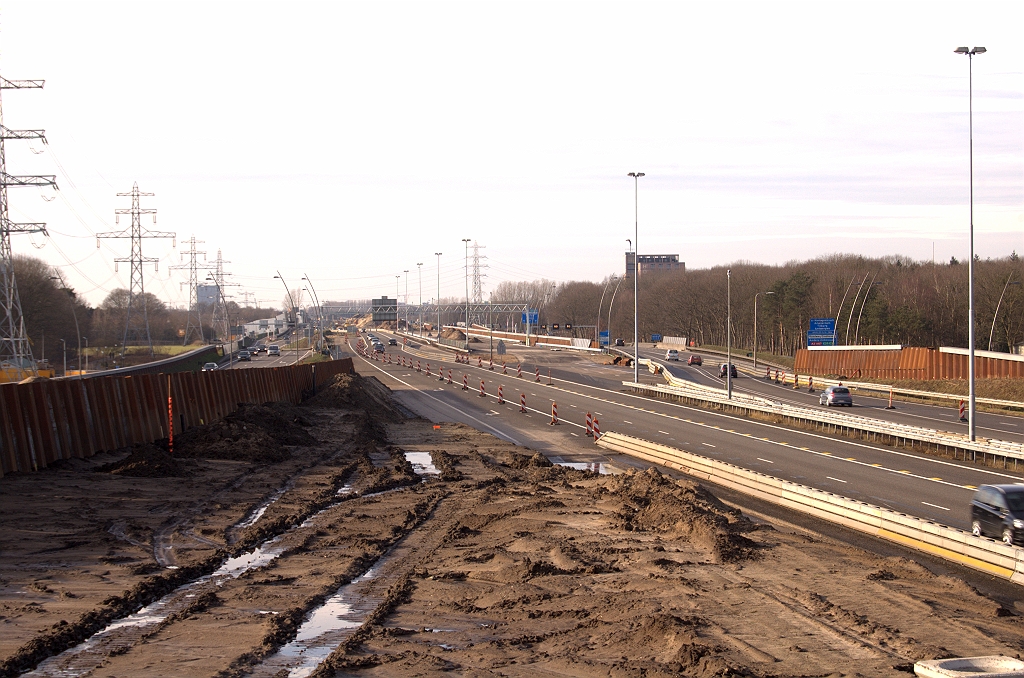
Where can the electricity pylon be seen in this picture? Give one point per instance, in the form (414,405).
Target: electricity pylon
(196,327)
(220,311)
(136,322)
(16,361)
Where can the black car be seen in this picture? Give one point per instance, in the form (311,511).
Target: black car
(620,342)
(998,511)
(392,342)
(722,368)
(244,355)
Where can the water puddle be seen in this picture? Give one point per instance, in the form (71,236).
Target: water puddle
(592,466)
(422,463)
(260,510)
(123,633)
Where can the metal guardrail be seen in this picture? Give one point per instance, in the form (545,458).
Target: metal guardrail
(900,434)
(923,535)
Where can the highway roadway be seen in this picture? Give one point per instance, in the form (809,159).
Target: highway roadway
(990,425)
(927,487)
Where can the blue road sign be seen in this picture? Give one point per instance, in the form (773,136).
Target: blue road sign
(655,337)
(534,317)
(603,337)
(821,332)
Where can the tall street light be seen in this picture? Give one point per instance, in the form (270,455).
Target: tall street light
(610,304)
(636,272)
(996,314)
(398,280)
(755,324)
(406,300)
(316,300)
(438,255)
(420,268)
(970,262)
(843,303)
(290,301)
(597,328)
(71,299)
(227,318)
(856,335)
(466,240)
(728,333)
(860,286)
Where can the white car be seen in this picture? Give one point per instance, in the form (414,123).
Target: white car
(672,354)
(274,349)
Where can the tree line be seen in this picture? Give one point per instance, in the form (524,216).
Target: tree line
(54,313)
(885,300)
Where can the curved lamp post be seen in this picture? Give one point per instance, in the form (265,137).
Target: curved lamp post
(636,272)
(996,314)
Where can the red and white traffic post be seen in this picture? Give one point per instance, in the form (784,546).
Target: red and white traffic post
(483,394)
(597,430)
(538,374)
(504,370)
(590,424)
(963,411)
(522,403)
(554,413)
(890,406)
(465,382)
(519,370)
(501,400)
(449,376)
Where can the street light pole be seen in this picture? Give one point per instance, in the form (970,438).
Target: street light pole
(86,354)
(856,335)
(74,314)
(438,328)
(290,301)
(406,301)
(65,346)
(849,320)
(466,240)
(610,304)
(316,300)
(970,262)
(728,333)
(843,303)
(996,314)
(597,328)
(755,324)
(636,273)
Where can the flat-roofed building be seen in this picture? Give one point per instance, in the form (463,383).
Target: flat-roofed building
(652,263)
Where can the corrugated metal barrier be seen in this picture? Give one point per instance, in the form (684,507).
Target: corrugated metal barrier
(46,421)
(906,363)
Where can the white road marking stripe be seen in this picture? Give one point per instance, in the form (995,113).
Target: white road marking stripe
(935,506)
(835,479)
(665,433)
(627,422)
(708,444)
(574,434)
(769,461)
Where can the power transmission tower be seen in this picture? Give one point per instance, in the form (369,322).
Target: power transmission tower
(196,327)
(247,295)
(220,311)
(15,350)
(136,322)
(478,288)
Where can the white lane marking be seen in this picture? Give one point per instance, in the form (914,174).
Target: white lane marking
(835,479)
(627,422)
(768,461)
(574,434)
(573,406)
(500,434)
(664,433)
(708,444)
(935,506)
(711,413)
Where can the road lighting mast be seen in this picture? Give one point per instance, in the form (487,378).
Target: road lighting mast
(728,333)
(970,262)
(636,273)
(438,328)
(294,307)
(419,267)
(466,240)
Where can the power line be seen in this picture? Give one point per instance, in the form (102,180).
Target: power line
(193,328)
(15,349)
(136,322)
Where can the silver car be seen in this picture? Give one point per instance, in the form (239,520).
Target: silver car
(834,396)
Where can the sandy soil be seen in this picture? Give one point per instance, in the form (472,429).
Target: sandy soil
(494,562)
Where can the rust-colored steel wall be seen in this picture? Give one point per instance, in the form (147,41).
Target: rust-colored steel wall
(908,363)
(45,421)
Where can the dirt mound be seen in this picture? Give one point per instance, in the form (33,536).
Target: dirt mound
(353,392)
(148,461)
(457,335)
(656,503)
(521,461)
(256,433)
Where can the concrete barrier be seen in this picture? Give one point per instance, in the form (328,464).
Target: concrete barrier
(923,535)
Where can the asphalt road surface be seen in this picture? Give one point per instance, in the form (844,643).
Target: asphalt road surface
(923,486)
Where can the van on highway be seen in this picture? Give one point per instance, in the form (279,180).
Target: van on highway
(274,349)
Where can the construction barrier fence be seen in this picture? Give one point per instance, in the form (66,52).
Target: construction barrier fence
(905,363)
(46,421)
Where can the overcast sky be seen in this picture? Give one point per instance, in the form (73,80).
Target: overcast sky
(351,141)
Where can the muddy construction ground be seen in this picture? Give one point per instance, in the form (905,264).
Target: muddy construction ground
(341,538)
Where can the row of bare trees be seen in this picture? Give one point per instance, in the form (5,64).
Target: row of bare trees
(54,313)
(887,300)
